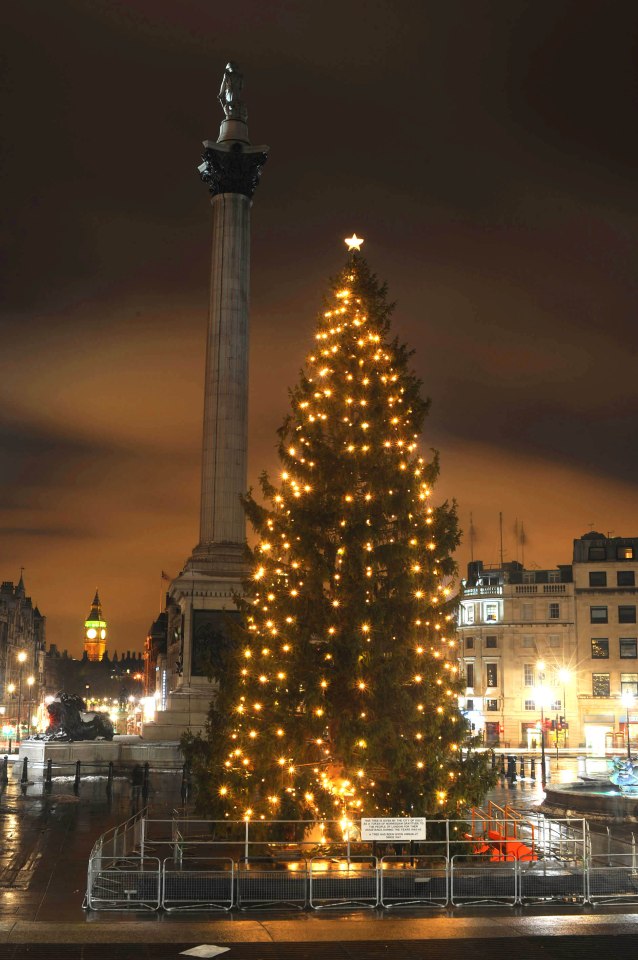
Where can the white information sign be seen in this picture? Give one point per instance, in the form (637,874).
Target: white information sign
(393,828)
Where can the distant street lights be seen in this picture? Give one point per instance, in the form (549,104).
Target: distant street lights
(628,699)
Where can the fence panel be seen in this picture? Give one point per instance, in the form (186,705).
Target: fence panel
(279,884)
(413,881)
(198,884)
(559,881)
(617,880)
(124,885)
(344,882)
(482,882)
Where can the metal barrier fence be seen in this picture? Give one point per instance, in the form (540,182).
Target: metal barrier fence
(198,885)
(119,884)
(413,881)
(344,882)
(182,864)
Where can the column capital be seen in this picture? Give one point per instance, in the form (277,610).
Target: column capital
(232,167)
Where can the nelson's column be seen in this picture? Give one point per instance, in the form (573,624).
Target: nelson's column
(200,599)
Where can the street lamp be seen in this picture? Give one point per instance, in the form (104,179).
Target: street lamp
(628,701)
(564,677)
(30,682)
(22,656)
(540,698)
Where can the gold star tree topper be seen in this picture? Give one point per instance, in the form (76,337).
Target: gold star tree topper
(354,242)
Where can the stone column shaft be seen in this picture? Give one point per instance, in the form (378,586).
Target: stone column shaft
(225,442)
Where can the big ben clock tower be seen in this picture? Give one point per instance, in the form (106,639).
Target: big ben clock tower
(95,631)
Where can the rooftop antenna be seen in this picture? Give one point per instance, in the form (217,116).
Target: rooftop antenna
(500,528)
(516,537)
(523,541)
(471,539)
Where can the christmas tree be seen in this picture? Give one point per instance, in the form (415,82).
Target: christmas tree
(340,695)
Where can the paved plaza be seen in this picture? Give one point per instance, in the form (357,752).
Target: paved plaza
(47,839)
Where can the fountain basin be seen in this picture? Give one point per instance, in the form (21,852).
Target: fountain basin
(596,800)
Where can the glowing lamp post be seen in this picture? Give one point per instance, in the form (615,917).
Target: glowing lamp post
(22,657)
(540,698)
(628,701)
(30,682)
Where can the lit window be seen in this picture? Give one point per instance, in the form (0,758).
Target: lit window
(600,684)
(625,553)
(600,649)
(491,612)
(598,614)
(628,649)
(491,674)
(629,683)
(491,705)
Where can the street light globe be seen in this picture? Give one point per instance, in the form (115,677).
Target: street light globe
(30,681)
(563,675)
(11,687)
(627,698)
(541,696)
(540,666)
(22,656)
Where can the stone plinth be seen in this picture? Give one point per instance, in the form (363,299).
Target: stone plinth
(123,749)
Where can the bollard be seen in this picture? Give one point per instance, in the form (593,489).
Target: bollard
(145,781)
(9,747)
(522,770)
(25,771)
(4,776)
(109,779)
(76,782)
(511,769)
(532,768)
(48,778)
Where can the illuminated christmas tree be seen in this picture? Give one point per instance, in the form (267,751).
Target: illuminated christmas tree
(341,693)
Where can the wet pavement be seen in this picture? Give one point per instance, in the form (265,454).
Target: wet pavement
(47,839)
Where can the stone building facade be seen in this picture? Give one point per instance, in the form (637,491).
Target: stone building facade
(555,645)
(22,631)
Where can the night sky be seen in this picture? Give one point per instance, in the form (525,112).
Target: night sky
(486,150)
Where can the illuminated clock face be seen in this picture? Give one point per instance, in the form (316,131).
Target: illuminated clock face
(91,633)
(103,634)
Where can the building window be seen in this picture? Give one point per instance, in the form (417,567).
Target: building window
(625,553)
(554,611)
(555,705)
(469,674)
(527,611)
(469,704)
(627,614)
(491,612)
(628,648)
(528,674)
(469,643)
(629,683)
(598,614)
(491,705)
(626,578)
(600,684)
(597,553)
(530,705)
(529,576)
(469,613)
(597,578)
(528,641)
(554,640)
(491,642)
(553,576)
(491,674)
(600,649)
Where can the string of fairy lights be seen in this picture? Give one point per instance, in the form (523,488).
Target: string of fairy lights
(320,651)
